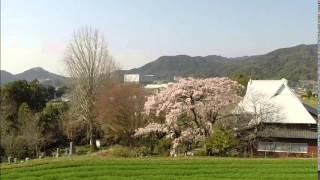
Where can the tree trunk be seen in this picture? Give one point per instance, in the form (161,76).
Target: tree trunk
(92,136)
(245,151)
(38,148)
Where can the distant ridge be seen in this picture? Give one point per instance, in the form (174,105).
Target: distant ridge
(6,77)
(294,63)
(45,77)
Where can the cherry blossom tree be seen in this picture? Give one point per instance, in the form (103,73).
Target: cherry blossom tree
(191,106)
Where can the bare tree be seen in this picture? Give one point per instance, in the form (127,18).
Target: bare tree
(89,65)
(31,132)
(119,110)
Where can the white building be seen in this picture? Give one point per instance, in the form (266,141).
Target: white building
(131,78)
(291,128)
(137,78)
(278,94)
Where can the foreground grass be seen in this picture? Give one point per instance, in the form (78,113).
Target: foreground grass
(161,168)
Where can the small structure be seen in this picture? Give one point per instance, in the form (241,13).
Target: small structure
(98,143)
(142,79)
(293,129)
(71,149)
(156,88)
(9,159)
(177,78)
(131,78)
(57,153)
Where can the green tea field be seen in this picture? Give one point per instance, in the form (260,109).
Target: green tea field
(161,168)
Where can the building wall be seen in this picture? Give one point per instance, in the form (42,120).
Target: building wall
(285,154)
(131,78)
(311,149)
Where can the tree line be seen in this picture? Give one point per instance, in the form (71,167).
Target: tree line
(192,115)
(30,121)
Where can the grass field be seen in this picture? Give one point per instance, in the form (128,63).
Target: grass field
(162,168)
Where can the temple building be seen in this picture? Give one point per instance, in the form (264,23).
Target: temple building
(290,126)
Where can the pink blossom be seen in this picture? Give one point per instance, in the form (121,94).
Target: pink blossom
(199,99)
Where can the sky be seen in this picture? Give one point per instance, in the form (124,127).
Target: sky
(36,32)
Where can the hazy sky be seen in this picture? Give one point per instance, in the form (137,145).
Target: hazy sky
(35,32)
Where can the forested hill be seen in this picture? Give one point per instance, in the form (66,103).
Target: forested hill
(294,63)
(45,77)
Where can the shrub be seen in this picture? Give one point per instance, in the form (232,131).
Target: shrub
(19,149)
(163,147)
(150,142)
(182,148)
(81,150)
(122,151)
(119,150)
(2,153)
(221,141)
(200,152)
(141,151)
(309,94)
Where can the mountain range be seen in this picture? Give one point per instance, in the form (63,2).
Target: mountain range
(294,63)
(44,76)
